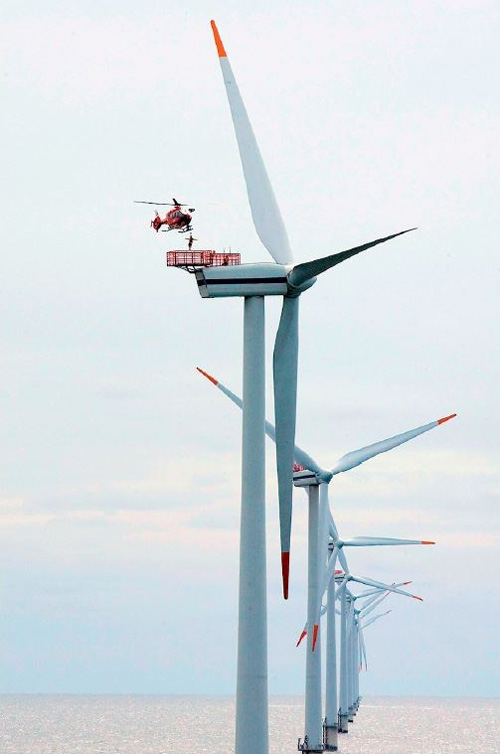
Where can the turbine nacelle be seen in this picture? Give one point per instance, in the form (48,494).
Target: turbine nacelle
(260,279)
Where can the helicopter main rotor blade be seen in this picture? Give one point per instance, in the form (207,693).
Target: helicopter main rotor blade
(265,211)
(160,204)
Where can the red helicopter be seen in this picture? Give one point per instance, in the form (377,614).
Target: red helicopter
(175,218)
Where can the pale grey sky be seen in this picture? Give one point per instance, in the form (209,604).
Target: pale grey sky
(119,509)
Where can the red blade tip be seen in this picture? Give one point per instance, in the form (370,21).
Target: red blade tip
(218,41)
(445,418)
(315,636)
(208,376)
(417,598)
(302,635)
(285,572)
(427,543)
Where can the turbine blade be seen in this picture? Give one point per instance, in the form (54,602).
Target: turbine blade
(375,617)
(285,400)
(301,273)
(333,528)
(373,603)
(357,457)
(302,635)
(381,541)
(300,456)
(315,635)
(343,560)
(387,587)
(265,211)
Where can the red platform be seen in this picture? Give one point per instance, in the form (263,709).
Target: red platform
(189,260)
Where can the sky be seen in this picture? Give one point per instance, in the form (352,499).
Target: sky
(119,509)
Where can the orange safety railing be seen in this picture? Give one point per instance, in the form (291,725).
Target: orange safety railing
(201,259)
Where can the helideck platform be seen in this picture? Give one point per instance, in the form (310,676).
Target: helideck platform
(193,260)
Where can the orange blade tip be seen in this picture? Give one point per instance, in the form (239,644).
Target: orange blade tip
(208,376)
(445,418)
(304,633)
(285,572)
(218,41)
(427,543)
(315,636)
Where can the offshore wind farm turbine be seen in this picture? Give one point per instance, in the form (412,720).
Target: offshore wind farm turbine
(362,624)
(316,735)
(278,278)
(322,529)
(343,593)
(359,649)
(353,645)
(314,474)
(253,282)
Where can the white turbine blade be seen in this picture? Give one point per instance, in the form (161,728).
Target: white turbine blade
(373,603)
(301,273)
(371,582)
(383,541)
(375,617)
(333,528)
(285,397)
(373,599)
(369,592)
(285,402)
(300,456)
(265,211)
(343,560)
(356,457)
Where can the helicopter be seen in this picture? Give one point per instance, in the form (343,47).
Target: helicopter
(175,218)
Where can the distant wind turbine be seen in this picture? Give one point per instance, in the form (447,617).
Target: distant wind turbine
(313,477)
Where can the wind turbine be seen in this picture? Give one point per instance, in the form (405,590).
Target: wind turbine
(353,643)
(345,714)
(331,719)
(361,627)
(315,476)
(278,278)
(254,282)
(359,649)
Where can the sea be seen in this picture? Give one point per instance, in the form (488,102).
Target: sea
(74,724)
